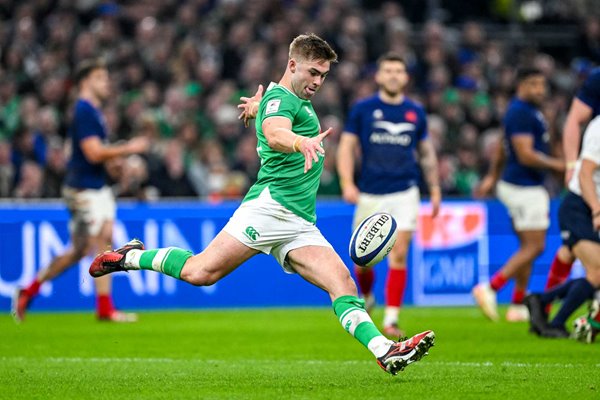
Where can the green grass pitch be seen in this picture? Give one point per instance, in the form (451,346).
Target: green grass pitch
(283,354)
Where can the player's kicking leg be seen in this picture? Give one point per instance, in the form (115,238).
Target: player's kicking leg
(321,266)
(225,253)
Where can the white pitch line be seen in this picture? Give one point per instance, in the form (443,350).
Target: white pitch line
(102,360)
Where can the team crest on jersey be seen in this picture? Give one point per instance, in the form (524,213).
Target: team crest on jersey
(377,114)
(272,106)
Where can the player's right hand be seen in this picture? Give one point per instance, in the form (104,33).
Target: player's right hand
(311,149)
(138,144)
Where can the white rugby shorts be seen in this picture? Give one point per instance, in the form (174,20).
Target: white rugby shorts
(528,206)
(89,209)
(404,207)
(265,225)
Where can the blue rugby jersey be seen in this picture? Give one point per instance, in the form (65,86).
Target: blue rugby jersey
(388,134)
(87,122)
(523,118)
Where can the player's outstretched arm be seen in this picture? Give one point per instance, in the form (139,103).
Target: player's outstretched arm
(249,106)
(429,166)
(96,152)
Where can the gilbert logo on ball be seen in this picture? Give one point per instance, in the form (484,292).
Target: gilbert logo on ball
(373,239)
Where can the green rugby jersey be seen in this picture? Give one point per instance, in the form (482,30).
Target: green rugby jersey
(283,173)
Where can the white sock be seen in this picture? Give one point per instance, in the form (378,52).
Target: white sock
(390,316)
(379,345)
(132,259)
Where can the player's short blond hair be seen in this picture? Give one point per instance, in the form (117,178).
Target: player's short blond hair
(310,47)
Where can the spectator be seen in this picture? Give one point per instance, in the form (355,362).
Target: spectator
(55,168)
(7,169)
(171,178)
(186,62)
(31,182)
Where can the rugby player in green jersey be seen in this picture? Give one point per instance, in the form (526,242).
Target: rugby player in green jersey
(277,215)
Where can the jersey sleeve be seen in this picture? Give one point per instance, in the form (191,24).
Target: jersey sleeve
(590,91)
(279,104)
(519,122)
(590,149)
(85,123)
(353,121)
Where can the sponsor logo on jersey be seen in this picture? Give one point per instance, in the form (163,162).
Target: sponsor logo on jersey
(309,111)
(392,133)
(272,106)
(251,233)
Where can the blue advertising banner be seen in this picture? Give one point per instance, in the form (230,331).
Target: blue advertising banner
(449,254)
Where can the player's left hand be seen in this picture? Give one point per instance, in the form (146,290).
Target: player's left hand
(436,200)
(485,187)
(311,148)
(249,106)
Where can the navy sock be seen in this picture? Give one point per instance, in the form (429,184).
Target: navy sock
(557,292)
(580,290)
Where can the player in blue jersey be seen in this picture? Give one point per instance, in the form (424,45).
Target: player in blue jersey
(584,107)
(521,188)
(90,201)
(387,130)
(579,217)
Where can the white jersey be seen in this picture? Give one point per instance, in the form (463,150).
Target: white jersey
(590,150)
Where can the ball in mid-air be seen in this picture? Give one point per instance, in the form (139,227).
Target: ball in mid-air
(373,239)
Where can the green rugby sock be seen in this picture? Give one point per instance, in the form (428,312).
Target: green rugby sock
(168,260)
(351,313)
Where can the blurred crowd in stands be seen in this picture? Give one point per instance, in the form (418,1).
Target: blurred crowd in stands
(178,68)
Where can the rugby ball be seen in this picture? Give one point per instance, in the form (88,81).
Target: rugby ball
(373,239)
